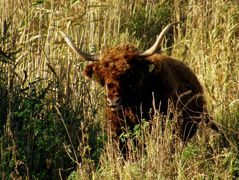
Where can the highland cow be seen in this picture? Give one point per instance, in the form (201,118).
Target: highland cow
(138,83)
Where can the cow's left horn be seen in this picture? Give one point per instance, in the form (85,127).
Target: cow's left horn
(84,55)
(159,40)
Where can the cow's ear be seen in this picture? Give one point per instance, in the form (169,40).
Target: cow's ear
(88,71)
(92,72)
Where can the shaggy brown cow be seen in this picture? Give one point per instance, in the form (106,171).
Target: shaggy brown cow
(134,81)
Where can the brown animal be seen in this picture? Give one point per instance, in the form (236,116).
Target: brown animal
(136,83)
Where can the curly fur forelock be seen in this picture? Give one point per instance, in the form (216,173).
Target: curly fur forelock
(117,60)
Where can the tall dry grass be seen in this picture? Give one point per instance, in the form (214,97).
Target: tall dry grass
(206,39)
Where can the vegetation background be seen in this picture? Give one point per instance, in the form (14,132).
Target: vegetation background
(51,116)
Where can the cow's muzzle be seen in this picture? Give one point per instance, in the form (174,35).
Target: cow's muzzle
(113,102)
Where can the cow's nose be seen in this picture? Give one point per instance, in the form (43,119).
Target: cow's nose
(113,102)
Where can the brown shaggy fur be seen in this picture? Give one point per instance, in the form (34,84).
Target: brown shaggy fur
(136,80)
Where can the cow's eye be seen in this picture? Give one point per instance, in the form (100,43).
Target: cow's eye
(110,85)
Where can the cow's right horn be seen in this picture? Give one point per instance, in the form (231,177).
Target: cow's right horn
(84,55)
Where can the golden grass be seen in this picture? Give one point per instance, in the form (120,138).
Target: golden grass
(206,39)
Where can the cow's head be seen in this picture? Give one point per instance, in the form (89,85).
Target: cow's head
(121,70)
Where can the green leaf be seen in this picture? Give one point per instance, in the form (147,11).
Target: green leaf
(38,2)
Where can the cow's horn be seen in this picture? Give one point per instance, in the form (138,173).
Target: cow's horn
(84,55)
(159,40)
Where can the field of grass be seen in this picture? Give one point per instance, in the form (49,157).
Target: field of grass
(51,116)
